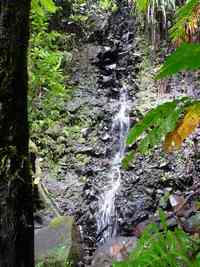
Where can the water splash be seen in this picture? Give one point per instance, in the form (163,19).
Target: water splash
(107,214)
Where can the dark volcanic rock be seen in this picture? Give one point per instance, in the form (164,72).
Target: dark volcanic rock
(112,57)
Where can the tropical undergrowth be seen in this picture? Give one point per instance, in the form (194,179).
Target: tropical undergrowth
(49,60)
(171,123)
(161,247)
(47,81)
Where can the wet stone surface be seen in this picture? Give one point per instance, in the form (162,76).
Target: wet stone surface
(111,57)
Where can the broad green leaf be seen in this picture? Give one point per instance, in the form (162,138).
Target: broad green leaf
(186,57)
(144,145)
(152,118)
(157,125)
(170,121)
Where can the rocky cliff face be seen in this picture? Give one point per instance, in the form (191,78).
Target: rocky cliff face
(114,54)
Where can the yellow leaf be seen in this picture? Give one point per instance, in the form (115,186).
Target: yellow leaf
(184,128)
(172,141)
(188,125)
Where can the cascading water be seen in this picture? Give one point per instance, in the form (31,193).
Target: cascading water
(107,215)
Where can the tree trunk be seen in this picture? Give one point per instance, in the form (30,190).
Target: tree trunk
(16,205)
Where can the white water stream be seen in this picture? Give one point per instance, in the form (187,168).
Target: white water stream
(107,215)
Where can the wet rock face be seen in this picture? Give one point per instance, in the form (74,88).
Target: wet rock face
(109,59)
(112,63)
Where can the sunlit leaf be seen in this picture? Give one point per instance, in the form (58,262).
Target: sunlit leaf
(184,128)
(152,118)
(142,5)
(172,122)
(186,57)
(49,5)
(39,6)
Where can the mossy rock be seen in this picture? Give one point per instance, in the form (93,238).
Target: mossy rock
(53,243)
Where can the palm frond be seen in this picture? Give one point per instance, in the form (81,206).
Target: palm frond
(187,22)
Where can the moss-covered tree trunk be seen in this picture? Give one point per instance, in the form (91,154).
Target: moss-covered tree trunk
(16,212)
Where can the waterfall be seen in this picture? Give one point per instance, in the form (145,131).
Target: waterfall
(107,214)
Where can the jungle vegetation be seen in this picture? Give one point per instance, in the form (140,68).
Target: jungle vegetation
(171,123)
(48,87)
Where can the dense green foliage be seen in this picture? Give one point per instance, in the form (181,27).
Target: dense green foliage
(50,65)
(163,119)
(184,15)
(187,56)
(156,124)
(164,248)
(47,83)
(40,6)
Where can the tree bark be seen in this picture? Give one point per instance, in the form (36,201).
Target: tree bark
(16,205)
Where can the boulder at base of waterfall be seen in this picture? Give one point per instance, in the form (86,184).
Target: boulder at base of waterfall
(116,249)
(53,244)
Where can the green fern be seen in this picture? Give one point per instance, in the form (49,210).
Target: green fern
(187,56)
